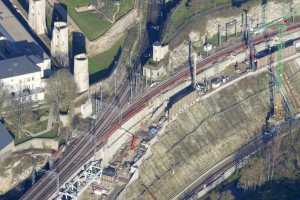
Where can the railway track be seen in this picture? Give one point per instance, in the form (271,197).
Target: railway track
(82,150)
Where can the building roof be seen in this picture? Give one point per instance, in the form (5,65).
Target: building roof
(14,31)
(17,66)
(5,137)
(10,27)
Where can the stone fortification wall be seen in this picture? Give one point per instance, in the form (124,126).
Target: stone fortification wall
(37,16)
(38,143)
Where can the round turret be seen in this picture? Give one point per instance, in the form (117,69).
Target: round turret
(81,72)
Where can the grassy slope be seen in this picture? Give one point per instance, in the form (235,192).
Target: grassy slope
(125,6)
(182,13)
(50,135)
(103,60)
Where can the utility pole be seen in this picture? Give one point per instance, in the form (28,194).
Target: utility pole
(235,28)
(136,82)
(226,31)
(93,140)
(33,175)
(194,70)
(115,81)
(264,7)
(219,35)
(245,28)
(249,42)
(101,96)
(131,95)
(281,97)
(252,54)
(292,14)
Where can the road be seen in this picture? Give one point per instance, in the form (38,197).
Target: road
(82,149)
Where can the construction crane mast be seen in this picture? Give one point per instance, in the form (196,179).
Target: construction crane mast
(282,104)
(264,7)
(282,107)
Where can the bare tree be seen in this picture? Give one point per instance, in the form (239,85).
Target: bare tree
(275,153)
(20,112)
(3,98)
(61,91)
(227,195)
(214,195)
(253,175)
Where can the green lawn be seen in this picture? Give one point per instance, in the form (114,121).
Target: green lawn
(90,23)
(103,60)
(37,126)
(50,134)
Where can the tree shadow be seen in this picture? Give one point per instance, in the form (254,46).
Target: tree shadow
(78,43)
(238,3)
(283,189)
(60,13)
(78,47)
(24,4)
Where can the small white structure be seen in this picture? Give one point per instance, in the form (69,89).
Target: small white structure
(208,47)
(81,72)
(37,16)
(43,64)
(22,76)
(64,119)
(60,43)
(159,51)
(297,45)
(86,109)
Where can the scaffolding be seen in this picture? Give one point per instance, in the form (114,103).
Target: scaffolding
(90,173)
(286,108)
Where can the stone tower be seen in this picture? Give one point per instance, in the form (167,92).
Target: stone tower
(37,16)
(60,43)
(159,51)
(81,72)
